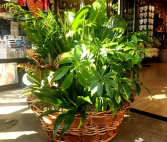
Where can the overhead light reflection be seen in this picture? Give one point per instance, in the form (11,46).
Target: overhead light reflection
(159,96)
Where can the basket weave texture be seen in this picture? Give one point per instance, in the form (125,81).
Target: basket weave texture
(98,126)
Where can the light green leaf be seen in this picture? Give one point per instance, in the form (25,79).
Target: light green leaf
(65,61)
(94,84)
(85,63)
(117,97)
(60,73)
(82,79)
(98,104)
(110,74)
(33,79)
(85,73)
(93,78)
(100,89)
(126,80)
(77,54)
(95,72)
(135,59)
(103,69)
(134,39)
(111,104)
(130,44)
(80,17)
(67,81)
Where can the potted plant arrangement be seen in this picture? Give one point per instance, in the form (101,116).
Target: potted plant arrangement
(80,72)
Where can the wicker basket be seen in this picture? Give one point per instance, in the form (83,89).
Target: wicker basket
(98,126)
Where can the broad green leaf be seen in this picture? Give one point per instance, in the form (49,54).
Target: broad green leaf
(126,80)
(117,22)
(98,104)
(98,13)
(135,59)
(104,104)
(80,17)
(60,72)
(112,83)
(82,79)
(129,48)
(85,63)
(95,72)
(117,97)
(85,73)
(77,54)
(126,90)
(109,89)
(100,89)
(80,100)
(111,104)
(110,74)
(128,56)
(130,44)
(33,79)
(134,39)
(57,124)
(120,46)
(83,117)
(68,120)
(47,113)
(94,84)
(65,61)
(103,69)
(67,81)
(93,78)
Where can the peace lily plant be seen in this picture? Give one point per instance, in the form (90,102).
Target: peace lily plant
(90,57)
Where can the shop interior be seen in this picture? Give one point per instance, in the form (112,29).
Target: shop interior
(149,16)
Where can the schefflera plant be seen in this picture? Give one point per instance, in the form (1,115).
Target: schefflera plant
(93,72)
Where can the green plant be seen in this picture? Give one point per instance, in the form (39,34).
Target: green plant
(93,70)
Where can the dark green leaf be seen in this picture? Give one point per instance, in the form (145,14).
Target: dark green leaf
(68,120)
(128,56)
(57,124)
(115,109)
(67,81)
(109,89)
(126,90)
(104,104)
(112,83)
(138,89)
(60,72)
(47,113)
(83,117)
(103,69)
(147,90)
(126,80)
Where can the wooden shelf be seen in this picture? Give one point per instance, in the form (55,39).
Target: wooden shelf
(23,7)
